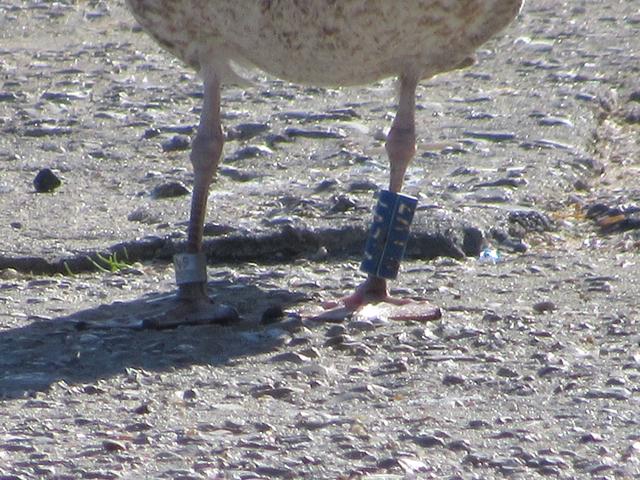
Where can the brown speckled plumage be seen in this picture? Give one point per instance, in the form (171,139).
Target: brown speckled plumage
(326,42)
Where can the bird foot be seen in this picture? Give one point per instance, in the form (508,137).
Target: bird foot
(372,299)
(193,307)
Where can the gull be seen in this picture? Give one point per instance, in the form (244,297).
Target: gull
(322,43)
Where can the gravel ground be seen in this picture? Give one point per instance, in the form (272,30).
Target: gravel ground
(533,370)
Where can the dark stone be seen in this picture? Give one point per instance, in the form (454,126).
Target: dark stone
(246,131)
(428,441)
(46,181)
(324,185)
(169,190)
(272,314)
(491,136)
(472,242)
(151,133)
(315,133)
(342,204)
(176,143)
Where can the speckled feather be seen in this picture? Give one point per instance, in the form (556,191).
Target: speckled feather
(325,42)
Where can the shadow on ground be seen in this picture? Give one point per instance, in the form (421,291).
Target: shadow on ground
(98,343)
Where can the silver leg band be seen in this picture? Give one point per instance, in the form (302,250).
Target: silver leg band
(389,234)
(190,267)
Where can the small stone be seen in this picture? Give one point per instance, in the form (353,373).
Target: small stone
(189,395)
(616,382)
(338,340)
(507,372)
(315,133)
(143,409)
(46,181)
(275,392)
(453,380)
(176,143)
(613,393)
(245,131)
(139,427)
(272,314)
(143,215)
(46,131)
(491,136)
(555,121)
(544,306)
(8,97)
(426,440)
(169,190)
(93,390)
(325,185)
(591,438)
(363,186)
(251,151)
(336,330)
(291,357)
(549,370)
(275,472)
(478,424)
(343,203)
(217,229)
(113,446)
(364,325)
(459,445)
(151,133)
(238,175)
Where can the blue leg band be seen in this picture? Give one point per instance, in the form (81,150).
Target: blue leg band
(389,234)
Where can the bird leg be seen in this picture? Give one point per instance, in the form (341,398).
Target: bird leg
(195,307)
(393,215)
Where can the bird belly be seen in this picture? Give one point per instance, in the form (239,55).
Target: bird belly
(325,42)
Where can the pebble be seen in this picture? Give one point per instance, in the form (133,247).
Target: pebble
(291,357)
(142,409)
(47,131)
(363,186)
(113,446)
(453,380)
(279,393)
(46,181)
(544,306)
(189,395)
(591,438)
(507,372)
(275,472)
(336,330)
(502,182)
(169,190)
(144,215)
(246,131)
(530,221)
(239,175)
(326,185)
(478,424)
(251,151)
(427,440)
(272,314)
(613,393)
(555,121)
(217,229)
(491,136)
(343,203)
(459,445)
(293,132)
(176,143)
